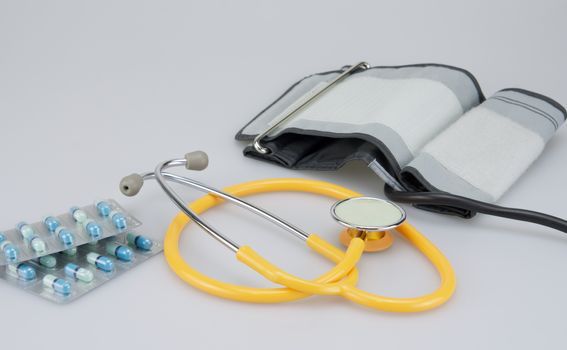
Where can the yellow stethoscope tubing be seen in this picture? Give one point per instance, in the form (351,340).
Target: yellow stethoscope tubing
(346,262)
(300,288)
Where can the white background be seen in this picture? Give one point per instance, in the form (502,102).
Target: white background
(93,91)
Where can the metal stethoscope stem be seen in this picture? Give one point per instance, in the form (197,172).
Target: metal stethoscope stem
(162,179)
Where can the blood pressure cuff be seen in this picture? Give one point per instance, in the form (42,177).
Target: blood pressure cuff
(424,128)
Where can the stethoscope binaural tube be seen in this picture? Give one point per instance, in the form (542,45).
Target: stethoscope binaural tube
(346,262)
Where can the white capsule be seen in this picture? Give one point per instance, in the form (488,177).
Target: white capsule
(48,261)
(26,230)
(79,215)
(38,245)
(78,272)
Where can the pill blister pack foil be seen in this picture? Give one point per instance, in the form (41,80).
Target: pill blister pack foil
(79,288)
(53,242)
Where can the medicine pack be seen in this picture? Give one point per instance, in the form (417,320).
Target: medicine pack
(57,233)
(68,275)
(61,258)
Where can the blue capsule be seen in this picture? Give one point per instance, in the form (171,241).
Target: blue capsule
(121,252)
(58,285)
(93,229)
(119,220)
(51,223)
(65,235)
(23,271)
(104,209)
(10,251)
(139,241)
(102,262)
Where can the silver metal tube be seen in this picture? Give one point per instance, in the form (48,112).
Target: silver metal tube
(160,178)
(263,150)
(235,200)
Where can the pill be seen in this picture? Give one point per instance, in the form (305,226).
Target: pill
(102,262)
(48,261)
(10,251)
(25,229)
(120,251)
(75,271)
(119,220)
(58,285)
(65,235)
(78,214)
(37,244)
(70,251)
(139,241)
(104,209)
(23,271)
(51,223)
(93,229)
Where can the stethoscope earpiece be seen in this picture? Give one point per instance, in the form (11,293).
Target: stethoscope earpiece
(197,160)
(131,185)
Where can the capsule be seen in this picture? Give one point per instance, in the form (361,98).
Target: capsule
(48,261)
(37,244)
(139,241)
(23,271)
(104,209)
(51,223)
(121,252)
(58,285)
(10,251)
(79,215)
(102,262)
(78,272)
(119,220)
(65,235)
(70,251)
(26,230)
(93,229)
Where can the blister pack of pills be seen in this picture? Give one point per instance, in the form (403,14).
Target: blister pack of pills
(70,274)
(58,233)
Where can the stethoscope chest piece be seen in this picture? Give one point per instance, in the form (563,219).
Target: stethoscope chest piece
(370,219)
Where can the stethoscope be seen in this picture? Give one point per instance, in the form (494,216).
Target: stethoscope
(366,221)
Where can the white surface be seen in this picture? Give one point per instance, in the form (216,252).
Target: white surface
(93,91)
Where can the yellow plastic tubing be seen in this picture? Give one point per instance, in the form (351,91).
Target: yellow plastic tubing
(340,280)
